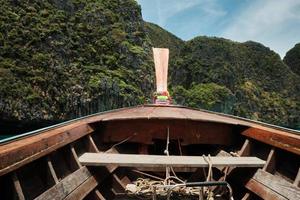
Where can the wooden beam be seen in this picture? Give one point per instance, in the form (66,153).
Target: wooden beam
(52,171)
(67,185)
(17,186)
(243,152)
(287,141)
(247,196)
(125,180)
(98,195)
(270,163)
(118,185)
(92,146)
(268,186)
(136,160)
(246,148)
(75,157)
(297,179)
(16,154)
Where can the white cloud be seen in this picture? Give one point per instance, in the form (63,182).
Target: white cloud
(275,23)
(166,9)
(271,22)
(169,8)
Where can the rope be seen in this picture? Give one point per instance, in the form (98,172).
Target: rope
(149,188)
(146,174)
(168,168)
(226,170)
(123,141)
(210,172)
(171,184)
(225,173)
(166,151)
(209,177)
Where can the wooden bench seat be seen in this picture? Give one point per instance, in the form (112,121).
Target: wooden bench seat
(270,187)
(75,186)
(137,160)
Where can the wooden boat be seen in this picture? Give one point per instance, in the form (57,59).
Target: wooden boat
(109,155)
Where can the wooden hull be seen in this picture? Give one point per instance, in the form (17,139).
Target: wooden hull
(47,164)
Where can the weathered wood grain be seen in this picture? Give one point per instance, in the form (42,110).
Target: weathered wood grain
(297,179)
(136,160)
(98,195)
(91,144)
(17,186)
(268,186)
(19,153)
(287,141)
(74,155)
(271,162)
(83,190)
(52,171)
(262,191)
(66,186)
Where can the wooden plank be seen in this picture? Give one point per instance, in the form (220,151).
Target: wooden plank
(17,186)
(163,169)
(83,190)
(223,153)
(263,191)
(273,186)
(16,154)
(111,168)
(66,185)
(287,141)
(135,160)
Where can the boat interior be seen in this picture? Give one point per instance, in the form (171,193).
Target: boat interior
(153,152)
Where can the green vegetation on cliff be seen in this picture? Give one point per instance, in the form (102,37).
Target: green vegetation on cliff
(64,59)
(159,37)
(243,79)
(292,59)
(264,88)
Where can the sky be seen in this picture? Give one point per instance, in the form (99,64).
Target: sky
(274,23)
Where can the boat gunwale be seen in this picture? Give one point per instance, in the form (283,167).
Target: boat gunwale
(68,122)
